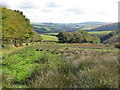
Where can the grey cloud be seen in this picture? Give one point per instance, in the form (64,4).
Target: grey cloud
(4,4)
(52,5)
(75,11)
(45,10)
(102,13)
(26,5)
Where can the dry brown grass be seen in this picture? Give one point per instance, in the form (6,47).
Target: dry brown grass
(81,69)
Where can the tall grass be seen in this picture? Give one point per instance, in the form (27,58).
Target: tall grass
(59,66)
(84,69)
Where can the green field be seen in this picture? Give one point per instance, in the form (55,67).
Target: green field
(51,34)
(48,38)
(100,32)
(37,26)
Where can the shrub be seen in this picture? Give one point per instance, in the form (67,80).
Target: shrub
(117,45)
(77,37)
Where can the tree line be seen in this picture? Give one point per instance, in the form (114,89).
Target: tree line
(77,37)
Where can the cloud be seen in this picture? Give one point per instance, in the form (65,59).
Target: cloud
(70,11)
(52,5)
(75,11)
(46,10)
(102,13)
(3,3)
(26,5)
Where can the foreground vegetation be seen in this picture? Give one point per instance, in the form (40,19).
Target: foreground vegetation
(52,65)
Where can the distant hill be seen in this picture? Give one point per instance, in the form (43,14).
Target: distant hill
(105,27)
(111,38)
(58,27)
(94,23)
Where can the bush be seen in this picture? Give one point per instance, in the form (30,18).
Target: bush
(77,37)
(117,45)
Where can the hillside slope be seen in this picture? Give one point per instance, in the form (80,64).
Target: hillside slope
(15,25)
(106,27)
(58,27)
(111,38)
(16,28)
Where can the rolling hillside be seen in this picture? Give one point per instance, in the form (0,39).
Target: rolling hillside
(16,28)
(58,27)
(111,38)
(106,27)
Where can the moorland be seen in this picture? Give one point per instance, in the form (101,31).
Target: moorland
(55,55)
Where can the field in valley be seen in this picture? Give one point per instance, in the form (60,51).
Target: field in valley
(100,32)
(48,37)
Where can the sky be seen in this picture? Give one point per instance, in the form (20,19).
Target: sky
(66,11)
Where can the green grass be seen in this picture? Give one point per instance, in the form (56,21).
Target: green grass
(51,33)
(100,32)
(49,38)
(37,26)
(56,65)
(18,65)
